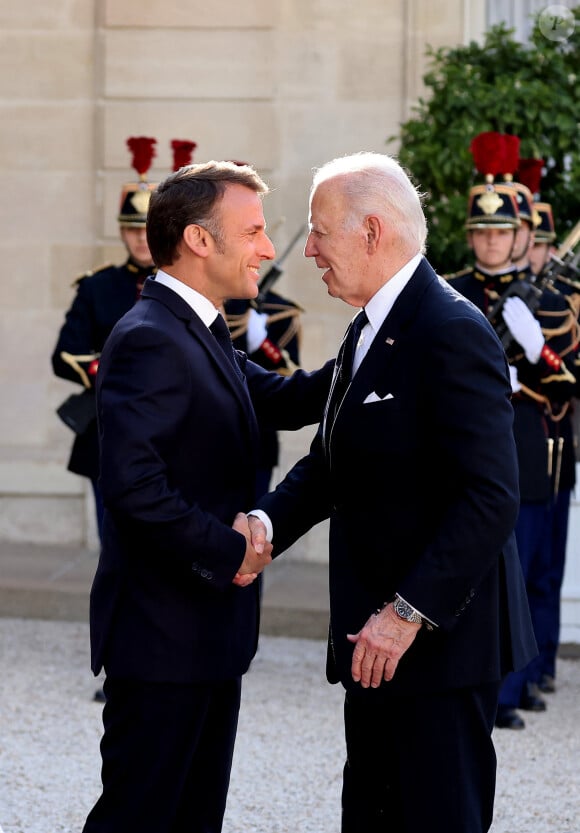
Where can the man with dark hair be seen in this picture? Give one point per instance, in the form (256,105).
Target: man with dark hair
(174,604)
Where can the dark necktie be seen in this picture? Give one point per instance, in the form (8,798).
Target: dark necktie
(344,362)
(220,330)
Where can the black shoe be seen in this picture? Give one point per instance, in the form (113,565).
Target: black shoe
(547,684)
(530,701)
(99,696)
(508,718)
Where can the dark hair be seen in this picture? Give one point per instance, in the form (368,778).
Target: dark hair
(189,196)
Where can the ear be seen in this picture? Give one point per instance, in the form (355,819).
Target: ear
(374,231)
(198,240)
(470,240)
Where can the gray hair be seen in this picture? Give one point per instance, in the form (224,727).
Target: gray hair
(375,183)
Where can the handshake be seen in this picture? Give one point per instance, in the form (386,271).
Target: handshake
(258,550)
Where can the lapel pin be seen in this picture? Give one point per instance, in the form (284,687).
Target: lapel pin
(390,341)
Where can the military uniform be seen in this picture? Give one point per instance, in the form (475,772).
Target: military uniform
(102,297)
(280,351)
(543,437)
(563,448)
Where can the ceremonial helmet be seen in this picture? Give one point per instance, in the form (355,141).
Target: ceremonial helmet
(545,230)
(135,195)
(493,204)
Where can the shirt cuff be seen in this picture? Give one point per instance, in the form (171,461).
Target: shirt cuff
(261,515)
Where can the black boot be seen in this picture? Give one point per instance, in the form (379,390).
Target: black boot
(530,701)
(508,718)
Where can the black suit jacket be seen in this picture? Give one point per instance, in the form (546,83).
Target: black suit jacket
(179,443)
(421,488)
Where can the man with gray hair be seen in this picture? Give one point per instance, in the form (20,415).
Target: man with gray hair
(415,465)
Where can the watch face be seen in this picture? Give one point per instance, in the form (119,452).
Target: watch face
(405,611)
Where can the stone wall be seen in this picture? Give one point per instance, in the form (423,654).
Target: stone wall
(286,85)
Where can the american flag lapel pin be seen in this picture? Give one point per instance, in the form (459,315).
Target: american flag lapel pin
(390,341)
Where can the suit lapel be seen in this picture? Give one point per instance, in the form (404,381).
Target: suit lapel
(373,373)
(398,321)
(196,327)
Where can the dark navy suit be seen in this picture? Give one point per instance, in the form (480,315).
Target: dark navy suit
(421,488)
(179,445)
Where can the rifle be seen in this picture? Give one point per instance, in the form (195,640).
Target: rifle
(275,270)
(565,262)
(562,264)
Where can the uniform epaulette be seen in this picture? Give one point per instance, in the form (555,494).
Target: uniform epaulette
(91,272)
(460,274)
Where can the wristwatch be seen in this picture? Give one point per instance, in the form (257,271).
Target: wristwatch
(406,612)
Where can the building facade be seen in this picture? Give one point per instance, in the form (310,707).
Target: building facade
(286,85)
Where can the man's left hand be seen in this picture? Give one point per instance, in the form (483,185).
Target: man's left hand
(379,646)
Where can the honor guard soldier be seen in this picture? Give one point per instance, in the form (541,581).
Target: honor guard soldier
(556,268)
(538,331)
(545,236)
(558,282)
(102,297)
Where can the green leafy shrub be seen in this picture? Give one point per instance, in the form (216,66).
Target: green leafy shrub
(529,90)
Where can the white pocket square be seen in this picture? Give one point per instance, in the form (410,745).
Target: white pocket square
(374,397)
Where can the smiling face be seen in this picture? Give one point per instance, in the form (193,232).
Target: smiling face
(337,245)
(492,247)
(240,248)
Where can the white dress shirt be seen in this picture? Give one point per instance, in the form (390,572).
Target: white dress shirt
(380,306)
(198,302)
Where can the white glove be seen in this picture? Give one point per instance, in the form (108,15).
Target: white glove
(256,333)
(524,328)
(514,379)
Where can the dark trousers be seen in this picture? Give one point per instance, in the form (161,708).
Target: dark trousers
(166,757)
(541,534)
(99,507)
(548,626)
(417,764)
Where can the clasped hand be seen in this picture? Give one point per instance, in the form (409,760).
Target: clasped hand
(379,646)
(258,551)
